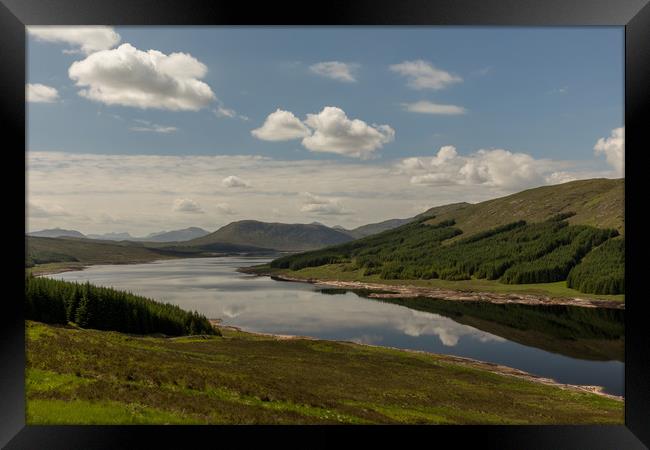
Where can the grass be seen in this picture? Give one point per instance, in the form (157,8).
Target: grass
(597,202)
(96,377)
(342,272)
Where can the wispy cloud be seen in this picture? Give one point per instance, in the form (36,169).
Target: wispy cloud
(426,107)
(423,75)
(336,70)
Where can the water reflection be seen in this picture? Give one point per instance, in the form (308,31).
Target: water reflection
(213,287)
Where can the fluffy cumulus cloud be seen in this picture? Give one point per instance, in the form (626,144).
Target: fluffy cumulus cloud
(186,205)
(336,70)
(334,132)
(423,75)
(82,38)
(613,147)
(234,181)
(281,126)
(495,168)
(40,93)
(127,76)
(426,107)
(329,131)
(322,206)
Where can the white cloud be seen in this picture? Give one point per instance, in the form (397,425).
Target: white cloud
(234,181)
(40,93)
(85,39)
(225,208)
(336,70)
(222,111)
(281,126)
(127,76)
(186,205)
(153,127)
(423,75)
(323,206)
(335,133)
(495,167)
(426,107)
(613,147)
(142,189)
(45,211)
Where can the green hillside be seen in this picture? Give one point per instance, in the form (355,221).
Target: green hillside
(42,250)
(487,241)
(374,228)
(277,236)
(596,202)
(82,376)
(56,253)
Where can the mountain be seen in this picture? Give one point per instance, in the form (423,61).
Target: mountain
(186,234)
(112,236)
(597,202)
(555,233)
(57,232)
(277,236)
(374,228)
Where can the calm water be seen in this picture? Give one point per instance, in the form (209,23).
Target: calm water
(213,287)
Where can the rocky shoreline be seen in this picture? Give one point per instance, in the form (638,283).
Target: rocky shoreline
(410,291)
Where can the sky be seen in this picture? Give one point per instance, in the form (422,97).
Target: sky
(143,129)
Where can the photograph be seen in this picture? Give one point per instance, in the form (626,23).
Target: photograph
(324,225)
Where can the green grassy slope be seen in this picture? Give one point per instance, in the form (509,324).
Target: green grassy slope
(374,228)
(44,250)
(94,377)
(596,202)
(278,236)
(492,241)
(54,253)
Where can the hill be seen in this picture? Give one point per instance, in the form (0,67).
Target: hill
(486,241)
(597,202)
(277,236)
(243,378)
(186,234)
(42,250)
(112,236)
(374,228)
(78,252)
(57,232)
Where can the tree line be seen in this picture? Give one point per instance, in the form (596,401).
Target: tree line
(602,271)
(515,253)
(102,308)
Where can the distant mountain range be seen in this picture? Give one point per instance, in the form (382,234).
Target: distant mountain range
(185,234)
(596,202)
(57,232)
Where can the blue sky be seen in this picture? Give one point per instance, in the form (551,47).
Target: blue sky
(547,93)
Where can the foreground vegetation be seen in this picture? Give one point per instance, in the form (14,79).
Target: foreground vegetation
(88,306)
(86,376)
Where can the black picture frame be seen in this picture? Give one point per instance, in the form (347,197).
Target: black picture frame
(634,15)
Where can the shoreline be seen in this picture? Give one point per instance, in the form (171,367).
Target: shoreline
(460,360)
(410,291)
